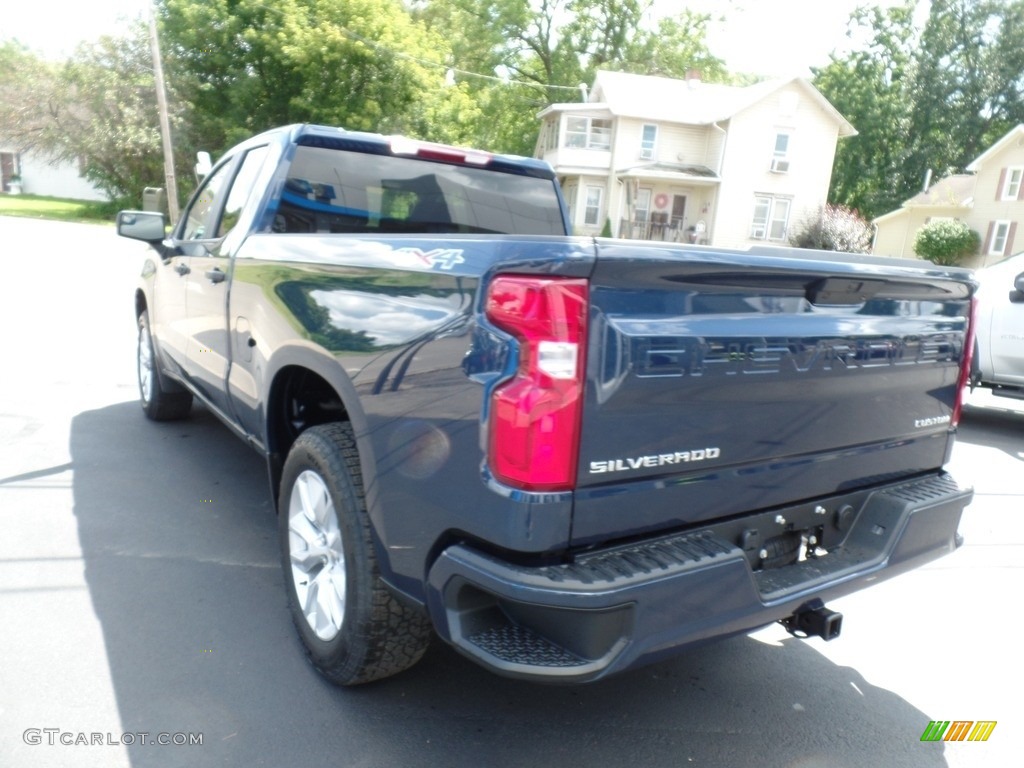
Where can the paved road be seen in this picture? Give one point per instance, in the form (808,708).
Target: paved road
(140,594)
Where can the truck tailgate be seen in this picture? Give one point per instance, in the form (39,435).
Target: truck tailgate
(722,382)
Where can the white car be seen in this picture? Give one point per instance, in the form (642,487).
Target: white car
(999,351)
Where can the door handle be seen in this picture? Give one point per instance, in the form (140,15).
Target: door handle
(182,268)
(215,275)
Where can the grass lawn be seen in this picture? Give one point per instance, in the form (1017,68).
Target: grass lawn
(36,207)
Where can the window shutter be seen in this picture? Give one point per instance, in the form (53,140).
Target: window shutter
(1002,184)
(988,238)
(1009,239)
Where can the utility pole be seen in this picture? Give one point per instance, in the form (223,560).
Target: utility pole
(165,122)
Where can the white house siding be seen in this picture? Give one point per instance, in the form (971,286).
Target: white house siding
(676,144)
(989,207)
(746,172)
(62,180)
(572,157)
(41,177)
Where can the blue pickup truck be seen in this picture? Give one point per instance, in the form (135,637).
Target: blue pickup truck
(566,456)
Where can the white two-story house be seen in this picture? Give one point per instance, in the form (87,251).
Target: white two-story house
(682,160)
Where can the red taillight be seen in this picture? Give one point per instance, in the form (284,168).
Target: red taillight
(534,429)
(965,362)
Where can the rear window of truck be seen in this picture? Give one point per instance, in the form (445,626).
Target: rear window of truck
(333,190)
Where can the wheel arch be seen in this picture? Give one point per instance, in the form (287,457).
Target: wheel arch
(307,373)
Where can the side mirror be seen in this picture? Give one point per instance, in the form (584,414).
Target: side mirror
(204,164)
(148,226)
(1017,294)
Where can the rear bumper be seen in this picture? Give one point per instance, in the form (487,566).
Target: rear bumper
(609,610)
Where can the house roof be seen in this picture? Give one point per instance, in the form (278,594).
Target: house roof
(670,171)
(687,101)
(955,191)
(1015,134)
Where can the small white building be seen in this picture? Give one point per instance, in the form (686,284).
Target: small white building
(34,174)
(683,160)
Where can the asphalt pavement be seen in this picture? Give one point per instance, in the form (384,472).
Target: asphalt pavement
(141,599)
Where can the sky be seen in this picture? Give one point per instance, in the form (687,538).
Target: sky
(773,38)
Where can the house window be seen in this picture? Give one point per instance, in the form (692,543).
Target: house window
(648,140)
(588,133)
(771,218)
(1011,188)
(1000,233)
(592,211)
(780,157)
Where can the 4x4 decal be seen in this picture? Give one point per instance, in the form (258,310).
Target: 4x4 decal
(442,258)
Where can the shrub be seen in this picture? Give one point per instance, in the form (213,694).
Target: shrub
(835,228)
(946,242)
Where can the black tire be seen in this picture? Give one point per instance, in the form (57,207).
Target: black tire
(353,629)
(161,400)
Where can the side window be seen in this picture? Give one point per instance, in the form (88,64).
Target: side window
(648,141)
(199,217)
(1013,178)
(1000,235)
(771,218)
(241,189)
(780,156)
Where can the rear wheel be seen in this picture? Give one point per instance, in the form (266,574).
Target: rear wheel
(160,400)
(354,630)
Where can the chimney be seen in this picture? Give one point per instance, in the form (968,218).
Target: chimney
(693,77)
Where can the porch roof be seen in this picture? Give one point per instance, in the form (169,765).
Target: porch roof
(677,172)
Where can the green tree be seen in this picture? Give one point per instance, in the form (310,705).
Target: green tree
(27,83)
(946,242)
(869,87)
(244,66)
(923,99)
(677,45)
(110,120)
(969,82)
(97,109)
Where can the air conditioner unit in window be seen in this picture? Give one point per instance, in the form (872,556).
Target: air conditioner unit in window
(780,165)
(646,154)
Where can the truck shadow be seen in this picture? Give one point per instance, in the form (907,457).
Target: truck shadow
(179,540)
(993,426)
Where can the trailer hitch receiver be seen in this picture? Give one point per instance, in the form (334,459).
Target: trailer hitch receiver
(817,621)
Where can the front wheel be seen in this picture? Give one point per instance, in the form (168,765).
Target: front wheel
(354,630)
(160,401)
